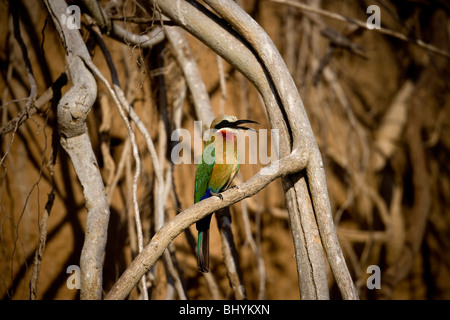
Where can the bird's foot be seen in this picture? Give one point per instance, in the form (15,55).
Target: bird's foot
(217,194)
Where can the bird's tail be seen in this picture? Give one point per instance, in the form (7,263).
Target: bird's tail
(203,251)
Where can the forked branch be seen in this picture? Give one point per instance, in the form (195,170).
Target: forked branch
(243,43)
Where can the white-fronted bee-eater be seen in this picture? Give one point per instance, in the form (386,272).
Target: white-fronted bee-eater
(215,172)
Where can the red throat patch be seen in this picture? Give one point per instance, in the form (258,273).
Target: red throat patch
(229,135)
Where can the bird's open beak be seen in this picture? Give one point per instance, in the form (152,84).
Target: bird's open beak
(239,122)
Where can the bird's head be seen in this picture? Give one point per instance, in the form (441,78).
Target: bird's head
(227,124)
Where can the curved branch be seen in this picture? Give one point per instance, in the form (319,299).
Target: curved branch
(248,48)
(145,260)
(147,40)
(278,74)
(311,265)
(192,75)
(73,109)
(303,138)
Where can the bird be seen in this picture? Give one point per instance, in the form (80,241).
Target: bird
(215,172)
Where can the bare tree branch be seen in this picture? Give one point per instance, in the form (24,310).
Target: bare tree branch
(73,109)
(377,102)
(192,75)
(306,253)
(230,254)
(302,137)
(147,40)
(36,106)
(144,261)
(363,25)
(285,109)
(33,88)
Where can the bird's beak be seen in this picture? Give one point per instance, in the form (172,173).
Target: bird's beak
(239,122)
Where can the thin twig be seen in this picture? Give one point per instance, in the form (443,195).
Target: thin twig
(104,137)
(230,253)
(33,88)
(23,47)
(223,84)
(363,25)
(192,75)
(41,246)
(146,40)
(140,20)
(174,273)
(36,106)
(159,188)
(256,250)
(121,103)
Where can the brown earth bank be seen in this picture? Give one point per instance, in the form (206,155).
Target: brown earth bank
(378,105)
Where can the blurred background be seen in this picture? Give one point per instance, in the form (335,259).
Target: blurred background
(378,105)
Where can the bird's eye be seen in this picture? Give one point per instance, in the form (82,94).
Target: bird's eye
(222,124)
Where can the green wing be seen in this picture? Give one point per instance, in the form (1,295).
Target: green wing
(204,170)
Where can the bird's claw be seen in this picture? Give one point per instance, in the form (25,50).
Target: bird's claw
(217,194)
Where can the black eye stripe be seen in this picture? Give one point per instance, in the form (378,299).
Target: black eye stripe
(222,124)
